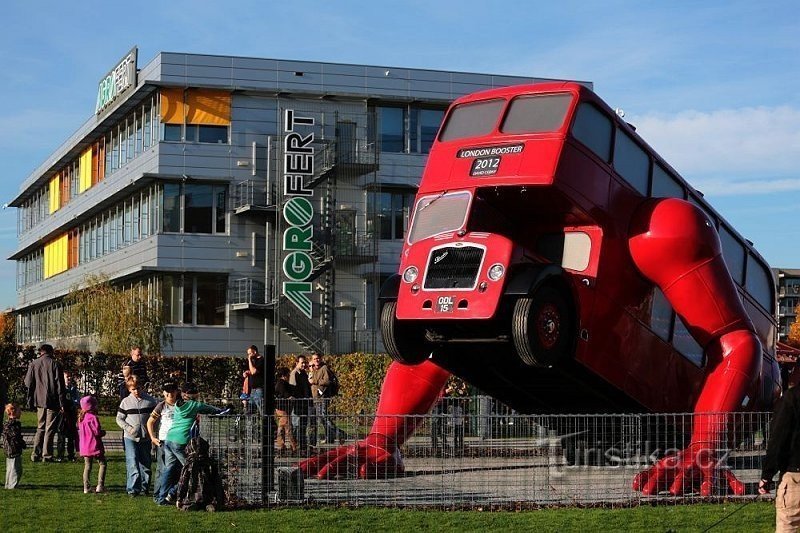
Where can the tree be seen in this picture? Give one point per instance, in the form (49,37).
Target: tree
(117,317)
(793,338)
(7,330)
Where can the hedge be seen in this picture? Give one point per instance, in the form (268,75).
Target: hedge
(360,375)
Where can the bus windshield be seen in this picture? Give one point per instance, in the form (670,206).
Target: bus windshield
(437,214)
(472,120)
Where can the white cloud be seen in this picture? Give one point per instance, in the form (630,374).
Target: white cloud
(738,151)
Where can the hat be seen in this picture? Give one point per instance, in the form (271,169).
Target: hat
(170,386)
(189,388)
(88,403)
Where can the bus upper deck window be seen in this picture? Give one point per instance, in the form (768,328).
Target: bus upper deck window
(536,113)
(593,128)
(472,120)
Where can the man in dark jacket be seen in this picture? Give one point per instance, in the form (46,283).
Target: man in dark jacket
(45,383)
(783,457)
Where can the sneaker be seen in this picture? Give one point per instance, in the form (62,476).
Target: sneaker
(170,499)
(100,490)
(86,491)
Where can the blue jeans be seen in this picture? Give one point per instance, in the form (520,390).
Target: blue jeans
(174,459)
(157,496)
(256,401)
(137,464)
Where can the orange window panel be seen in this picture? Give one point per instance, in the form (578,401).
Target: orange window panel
(95,165)
(172,107)
(72,253)
(64,189)
(206,106)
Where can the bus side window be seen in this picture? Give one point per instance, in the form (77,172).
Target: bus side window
(593,128)
(665,185)
(733,253)
(685,343)
(661,315)
(759,283)
(631,162)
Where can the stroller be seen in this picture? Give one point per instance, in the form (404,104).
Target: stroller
(200,485)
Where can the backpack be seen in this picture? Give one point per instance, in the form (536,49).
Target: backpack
(333,387)
(200,485)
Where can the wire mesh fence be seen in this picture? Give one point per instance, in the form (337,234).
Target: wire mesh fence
(471,453)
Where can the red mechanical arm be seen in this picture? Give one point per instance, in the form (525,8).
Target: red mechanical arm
(674,245)
(407,390)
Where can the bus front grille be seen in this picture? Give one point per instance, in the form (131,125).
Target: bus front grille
(453,267)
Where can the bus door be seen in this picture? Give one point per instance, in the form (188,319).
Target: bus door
(577,250)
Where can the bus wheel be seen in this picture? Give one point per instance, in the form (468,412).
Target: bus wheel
(542,327)
(405,343)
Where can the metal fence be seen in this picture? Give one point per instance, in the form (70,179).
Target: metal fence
(471,453)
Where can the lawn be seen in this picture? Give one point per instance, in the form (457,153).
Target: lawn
(51,499)
(28,421)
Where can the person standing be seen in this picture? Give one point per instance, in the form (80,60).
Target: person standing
(178,437)
(162,416)
(13,445)
(298,378)
(783,456)
(254,374)
(284,394)
(138,367)
(67,436)
(320,379)
(91,444)
(45,383)
(132,416)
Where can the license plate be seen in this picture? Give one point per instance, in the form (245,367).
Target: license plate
(445,304)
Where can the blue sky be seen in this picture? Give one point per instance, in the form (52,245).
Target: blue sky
(713,86)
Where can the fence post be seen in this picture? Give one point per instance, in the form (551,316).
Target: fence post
(267,423)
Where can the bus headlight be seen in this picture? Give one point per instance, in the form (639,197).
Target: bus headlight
(496,271)
(410,274)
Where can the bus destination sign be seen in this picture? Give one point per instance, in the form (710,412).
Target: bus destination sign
(487,158)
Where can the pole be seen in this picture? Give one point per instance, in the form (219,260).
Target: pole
(267,424)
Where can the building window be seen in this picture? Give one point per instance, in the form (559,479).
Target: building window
(422,128)
(203,208)
(199,300)
(390,211)
(391,124)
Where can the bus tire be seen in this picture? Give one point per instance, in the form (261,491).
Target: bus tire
(542,327)
(405,343)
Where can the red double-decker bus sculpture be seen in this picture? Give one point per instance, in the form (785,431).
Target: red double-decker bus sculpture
(558,263)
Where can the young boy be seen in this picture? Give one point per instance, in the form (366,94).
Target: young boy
(161,418)
(13,445)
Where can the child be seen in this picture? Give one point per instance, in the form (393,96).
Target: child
(90,438)
(68,427)
(13,445)
(132,417)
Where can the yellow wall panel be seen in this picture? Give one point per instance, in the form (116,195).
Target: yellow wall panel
(85,170)
(55,193)
(55,256)
(205,106)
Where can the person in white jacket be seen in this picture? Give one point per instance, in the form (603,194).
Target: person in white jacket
(132,416)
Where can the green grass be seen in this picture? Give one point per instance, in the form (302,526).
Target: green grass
(28,420)
(50,498)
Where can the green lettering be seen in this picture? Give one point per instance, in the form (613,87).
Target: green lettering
(295,238)
(298,266)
